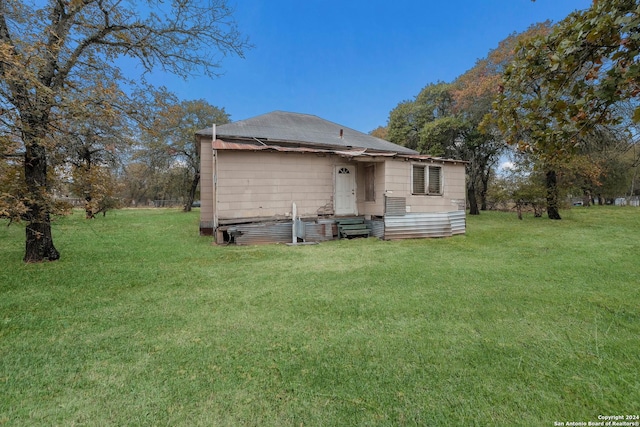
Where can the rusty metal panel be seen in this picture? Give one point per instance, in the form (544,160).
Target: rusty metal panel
(319,231)
(377,228)
(458,220)
(266,232)
(417,225)
(300,229)
(280,232)
(395,206)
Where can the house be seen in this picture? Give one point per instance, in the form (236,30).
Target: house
(283,177)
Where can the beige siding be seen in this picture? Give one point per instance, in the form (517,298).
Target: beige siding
(266,184)
(398,184)
(206,182)
(376,207)
(397,178)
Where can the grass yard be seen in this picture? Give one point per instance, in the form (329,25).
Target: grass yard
(142,322)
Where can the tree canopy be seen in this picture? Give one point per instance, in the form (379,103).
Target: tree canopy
(562,88)
(445,119)
(58,60)
(171,134)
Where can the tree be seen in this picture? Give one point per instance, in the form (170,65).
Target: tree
(89,147)
(137,183)
(380,132)
(173,131)
(474,93)
(409,117)
(445,119)
(561,88)
(11,179)
(52,52)
(404,126)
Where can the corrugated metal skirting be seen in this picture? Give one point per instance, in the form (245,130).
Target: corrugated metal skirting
(420,225)
(281,232)
(266,232)
(408,226)
(377,228)
(458,221)
(318,231)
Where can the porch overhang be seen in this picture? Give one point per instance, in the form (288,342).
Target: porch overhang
(357,154)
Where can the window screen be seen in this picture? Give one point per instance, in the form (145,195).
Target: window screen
(418,179)
(435,180)
(369,181)
(427,179)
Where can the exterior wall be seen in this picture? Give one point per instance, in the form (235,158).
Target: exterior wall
(266,184)
(398,184)
(375,207)
(206,188)
(262,185)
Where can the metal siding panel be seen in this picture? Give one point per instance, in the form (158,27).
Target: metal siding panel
(458,220)
(280,232)
(376,227)
(418,225)
(274,232)
(319,231)
(395,206)
(301,230)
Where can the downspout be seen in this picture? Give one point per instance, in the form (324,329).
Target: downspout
(215,180)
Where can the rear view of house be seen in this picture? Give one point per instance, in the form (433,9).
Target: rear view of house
(262,176)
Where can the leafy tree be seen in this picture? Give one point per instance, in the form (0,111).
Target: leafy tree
(474,93)
(380,132)
(403,126)
(562,88)
(446,119)
(137,182)
(409,117)
(53,53)
(12,187)
(173,132)
(90,146)
(520,187)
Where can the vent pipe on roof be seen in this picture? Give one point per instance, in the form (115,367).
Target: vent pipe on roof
(341,133)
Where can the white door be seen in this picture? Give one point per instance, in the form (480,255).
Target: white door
(345,190)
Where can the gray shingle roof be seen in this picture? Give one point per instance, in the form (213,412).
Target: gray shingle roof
(306,129)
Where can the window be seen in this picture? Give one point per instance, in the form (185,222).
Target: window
(434,183)
(427,179)
(418,179)
(369,179)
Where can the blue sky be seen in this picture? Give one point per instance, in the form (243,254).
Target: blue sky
(353,61)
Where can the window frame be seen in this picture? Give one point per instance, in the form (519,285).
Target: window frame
(370,183)
(426,175)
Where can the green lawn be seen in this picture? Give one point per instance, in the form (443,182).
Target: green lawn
(143,322)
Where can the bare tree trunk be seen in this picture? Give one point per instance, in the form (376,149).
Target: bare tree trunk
(552,195)
(39,242)
(473,202)
(483,200)
(88,210)
(519,209)
(192,192)
(484,190)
